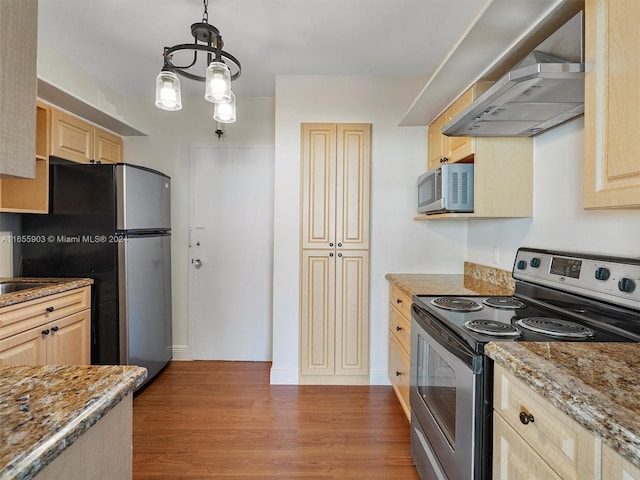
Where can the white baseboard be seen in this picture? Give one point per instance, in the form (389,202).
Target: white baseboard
(379,377)
(181,352)
(284,377)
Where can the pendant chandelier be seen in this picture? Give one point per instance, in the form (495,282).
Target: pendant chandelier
(217,78)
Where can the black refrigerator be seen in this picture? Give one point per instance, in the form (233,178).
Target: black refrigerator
(111,223)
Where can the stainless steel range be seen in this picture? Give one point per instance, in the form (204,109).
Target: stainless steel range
(559,296)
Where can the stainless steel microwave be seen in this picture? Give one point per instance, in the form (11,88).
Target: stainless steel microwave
(448,188)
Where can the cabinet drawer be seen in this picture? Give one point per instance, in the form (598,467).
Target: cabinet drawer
(23,316)
(401,300)
(566,446)
(399,372)
(515,459)
(400,326)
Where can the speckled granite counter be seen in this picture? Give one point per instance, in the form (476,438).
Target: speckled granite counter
(476,280)
(64,402)
(55,285)
(596,384)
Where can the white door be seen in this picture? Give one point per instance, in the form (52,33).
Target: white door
(231,247)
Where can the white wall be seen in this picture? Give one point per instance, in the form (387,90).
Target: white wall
(559,220)
(398,243)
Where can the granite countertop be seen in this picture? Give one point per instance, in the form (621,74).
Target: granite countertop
(476,280)
(54,285)
(64,402)
(596,384)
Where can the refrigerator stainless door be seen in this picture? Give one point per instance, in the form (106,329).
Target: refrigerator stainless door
(143,198)
(145,301)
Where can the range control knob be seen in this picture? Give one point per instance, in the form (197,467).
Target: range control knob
(626,285)
(535,262)
(602,273)
(522,265)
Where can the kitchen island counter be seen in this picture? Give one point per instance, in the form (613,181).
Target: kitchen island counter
(45,409)
(596,384)
(53,286)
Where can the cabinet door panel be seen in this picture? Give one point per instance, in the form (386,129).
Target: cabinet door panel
(614,467)
(71,137)
(513,458)
(69,340)
(399,365)
(27,348)
(318,185)
(317,315)
(352,313)
(352,185)
(612,101)
(107,147)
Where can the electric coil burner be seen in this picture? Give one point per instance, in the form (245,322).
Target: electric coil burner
(491,327)
(556,327)
(509,303)
(456,304)
(558,297)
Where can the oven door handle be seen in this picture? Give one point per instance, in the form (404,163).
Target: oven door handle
(447,339)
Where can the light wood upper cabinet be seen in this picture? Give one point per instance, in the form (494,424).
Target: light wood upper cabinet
(18,86)
(31,195)
(52,330)
(76,140)
(443,149)
(612,102)
(335,190)
(107,146)
(503,166)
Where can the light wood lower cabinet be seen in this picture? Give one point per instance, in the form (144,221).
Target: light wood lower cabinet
(534,440)
(53,330)
(104,451)
(400,346)
(334,327)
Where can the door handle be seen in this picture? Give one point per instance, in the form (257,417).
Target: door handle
(198,263)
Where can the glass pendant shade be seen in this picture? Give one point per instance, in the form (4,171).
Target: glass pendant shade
(225,112)
(218,83)
(168,95)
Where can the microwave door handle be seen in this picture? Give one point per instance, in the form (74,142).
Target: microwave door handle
(449,340)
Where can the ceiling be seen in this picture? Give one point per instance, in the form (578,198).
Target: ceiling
(121,41)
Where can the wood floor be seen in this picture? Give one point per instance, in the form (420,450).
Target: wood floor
(202,420)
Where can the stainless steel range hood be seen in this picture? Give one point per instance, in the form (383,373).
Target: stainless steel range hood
(546,88)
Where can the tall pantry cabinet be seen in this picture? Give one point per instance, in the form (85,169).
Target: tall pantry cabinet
(334,273)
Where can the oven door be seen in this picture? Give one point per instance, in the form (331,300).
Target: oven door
(446,401)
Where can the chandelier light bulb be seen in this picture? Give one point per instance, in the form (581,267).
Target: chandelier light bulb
(218,83)
(168,96)
(225,112)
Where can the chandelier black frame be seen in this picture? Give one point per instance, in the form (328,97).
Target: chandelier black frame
(219,74)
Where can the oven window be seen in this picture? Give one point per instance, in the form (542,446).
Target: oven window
(436,384)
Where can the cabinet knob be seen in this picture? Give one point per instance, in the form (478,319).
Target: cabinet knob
(340,255)
(398,301)
(50,309)
(339,244)
(55,329)
(398,373)
(331,254)
(45,331)
(398,329)
(526,418)
(331,244)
